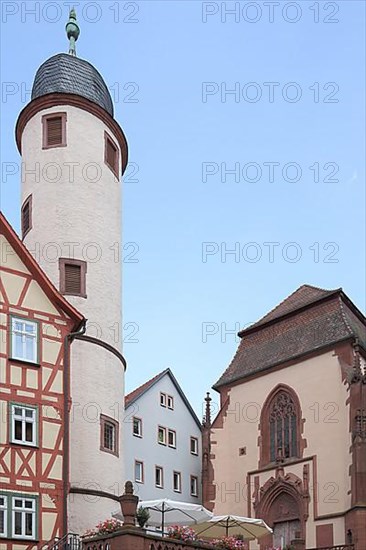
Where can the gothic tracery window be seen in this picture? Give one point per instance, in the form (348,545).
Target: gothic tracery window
(283,427)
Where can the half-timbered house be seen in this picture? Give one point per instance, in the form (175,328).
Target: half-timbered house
(36,326)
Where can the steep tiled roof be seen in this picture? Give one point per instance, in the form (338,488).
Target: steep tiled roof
(303,296)
(67,74)
(308,320)
(135,394)
(138,392)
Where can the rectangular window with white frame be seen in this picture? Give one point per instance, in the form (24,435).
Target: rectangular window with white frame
(161,435)
(139,471)
(194,446)
(163,399)
(170,402)
(159,477)
(194,486)
(24,340)
(3,516)
(172,439)
(177,482)
(23,424)
(23,517)
(109,435)
(137,426)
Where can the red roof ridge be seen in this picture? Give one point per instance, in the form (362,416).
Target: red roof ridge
(344,316)
(315,320)
(280,309)
(134,394)
(37,272)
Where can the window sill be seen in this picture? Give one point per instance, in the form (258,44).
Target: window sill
(288,460)
(137,435)
(194,454)
(172,446)
(19,539)
(113,170)
(72,294)
(25,362)
(44,147)
(161,443)
(27,445)
(108,451)
(25,233)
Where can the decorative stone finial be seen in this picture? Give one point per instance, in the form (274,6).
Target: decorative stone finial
(72,31)
(129,503)
(356,375)
(207,418)
(128,488)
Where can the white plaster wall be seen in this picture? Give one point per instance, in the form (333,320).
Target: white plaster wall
(76,217)
(91,468)
(152,453)
(322,394)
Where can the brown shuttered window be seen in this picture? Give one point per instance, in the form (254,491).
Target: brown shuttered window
(73,277)
(111,155)
(26,216)
(54,130)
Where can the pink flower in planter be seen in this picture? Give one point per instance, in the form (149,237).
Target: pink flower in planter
(104,528)
(182,533)
(229,543)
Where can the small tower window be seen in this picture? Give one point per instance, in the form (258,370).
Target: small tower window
(26,216)
(111,155)
(54,130)
(72,277)
(108,435)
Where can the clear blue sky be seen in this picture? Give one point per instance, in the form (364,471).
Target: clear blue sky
(171,209)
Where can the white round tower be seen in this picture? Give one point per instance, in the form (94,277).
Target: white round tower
(73,154)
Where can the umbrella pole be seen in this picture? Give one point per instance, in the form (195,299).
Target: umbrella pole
(227,527)
(162,520)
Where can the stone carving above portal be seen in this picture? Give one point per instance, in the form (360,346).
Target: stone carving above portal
(283,497)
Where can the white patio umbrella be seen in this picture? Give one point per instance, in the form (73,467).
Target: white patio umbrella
(172,512)
(219,526)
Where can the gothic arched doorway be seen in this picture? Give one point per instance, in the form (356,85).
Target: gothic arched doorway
(283,504)
(285,520)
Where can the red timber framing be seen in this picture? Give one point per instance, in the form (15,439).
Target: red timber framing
(36,470)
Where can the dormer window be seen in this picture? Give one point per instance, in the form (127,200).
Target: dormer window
(54,130)
(111,156)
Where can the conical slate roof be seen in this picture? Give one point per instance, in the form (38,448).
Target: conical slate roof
(67,74)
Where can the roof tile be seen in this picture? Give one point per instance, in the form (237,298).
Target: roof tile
(291,330)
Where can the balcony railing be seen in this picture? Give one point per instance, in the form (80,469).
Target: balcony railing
(70,541)
(131,539)
(138,539)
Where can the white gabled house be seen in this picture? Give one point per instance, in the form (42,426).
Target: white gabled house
(163,444)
